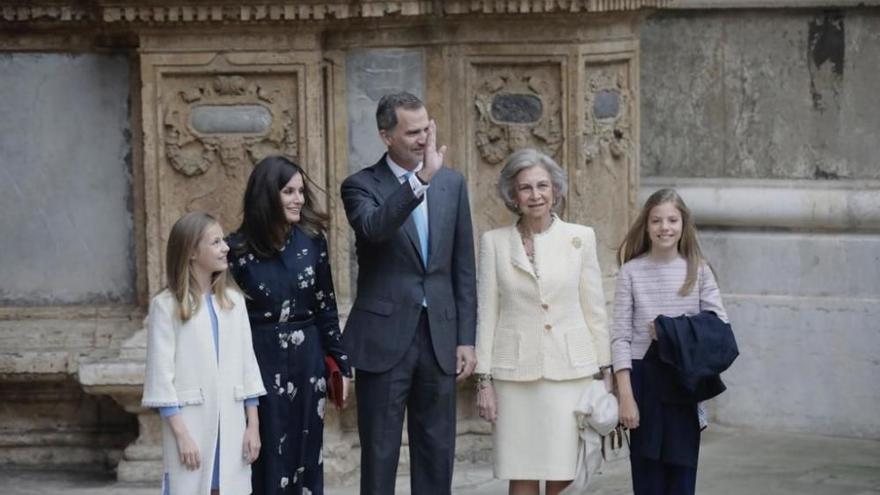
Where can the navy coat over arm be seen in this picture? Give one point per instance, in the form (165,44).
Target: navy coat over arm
(694,350)
(679,370)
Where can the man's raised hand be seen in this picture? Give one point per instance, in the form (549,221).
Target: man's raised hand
(433,159)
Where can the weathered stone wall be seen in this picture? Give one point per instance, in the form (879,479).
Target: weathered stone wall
(779,94)
(53,422)
(67,252)
(767,122)
(370,74)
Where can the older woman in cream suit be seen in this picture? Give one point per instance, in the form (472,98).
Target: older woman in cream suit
(541,328)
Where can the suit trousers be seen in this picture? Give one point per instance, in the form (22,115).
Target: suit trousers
(419,387)
(650,477)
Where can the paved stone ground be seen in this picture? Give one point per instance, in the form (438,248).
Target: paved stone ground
(732,462)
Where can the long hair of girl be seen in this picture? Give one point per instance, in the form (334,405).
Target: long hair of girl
(183,241)
(264,226)
(637,242)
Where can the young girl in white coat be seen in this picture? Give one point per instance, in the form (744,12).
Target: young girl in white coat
(201,371)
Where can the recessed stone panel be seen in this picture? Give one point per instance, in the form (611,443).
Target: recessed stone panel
(371,74)
(517,108)
(230,119)
(65,180)
(208,171)
(606,104)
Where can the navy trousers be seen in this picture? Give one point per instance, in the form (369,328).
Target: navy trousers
(419,387)
(665,447)
(652,477)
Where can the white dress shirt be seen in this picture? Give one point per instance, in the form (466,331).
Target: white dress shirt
(419,190)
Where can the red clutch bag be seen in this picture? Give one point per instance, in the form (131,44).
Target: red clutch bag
(334,381)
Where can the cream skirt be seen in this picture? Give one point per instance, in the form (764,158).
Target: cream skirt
(535,436)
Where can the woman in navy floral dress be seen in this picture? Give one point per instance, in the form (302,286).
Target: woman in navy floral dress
(280,260)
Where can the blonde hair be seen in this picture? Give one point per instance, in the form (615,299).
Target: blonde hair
(637,242)
(183,241)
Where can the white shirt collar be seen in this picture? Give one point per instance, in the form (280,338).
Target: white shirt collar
(399,171)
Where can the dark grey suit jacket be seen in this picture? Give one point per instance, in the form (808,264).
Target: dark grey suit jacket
(392,279)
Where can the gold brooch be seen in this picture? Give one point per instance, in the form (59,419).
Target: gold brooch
(576,242)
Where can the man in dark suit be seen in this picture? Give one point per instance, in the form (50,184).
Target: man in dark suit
(411,329)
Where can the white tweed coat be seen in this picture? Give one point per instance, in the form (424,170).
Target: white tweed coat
(550,324)
(182,369)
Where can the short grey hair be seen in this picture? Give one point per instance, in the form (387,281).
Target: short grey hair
(386,112)
(528,158)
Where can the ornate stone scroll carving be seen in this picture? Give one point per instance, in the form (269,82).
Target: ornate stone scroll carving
(211,168)
(192,153)
(205,167)
(495,138)
(506,101)
(607,133)
(602,178)
(135,12)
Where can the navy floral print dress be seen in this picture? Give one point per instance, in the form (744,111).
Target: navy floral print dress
(292,310)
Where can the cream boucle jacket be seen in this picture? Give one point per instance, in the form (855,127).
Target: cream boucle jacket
(182,369)
(549,325)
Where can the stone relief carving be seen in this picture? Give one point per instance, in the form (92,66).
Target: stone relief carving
(601,179)
(219,152)
(607,136)
(514,106)
(205,12)
(192,153)
(495,138)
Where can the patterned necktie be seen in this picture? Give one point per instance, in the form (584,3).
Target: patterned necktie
(420,218)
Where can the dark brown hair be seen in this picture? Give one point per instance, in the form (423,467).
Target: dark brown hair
(264,226)
(386,111)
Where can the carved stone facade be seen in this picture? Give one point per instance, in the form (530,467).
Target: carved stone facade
(608,156)
(192,149)
(586,119)
(261,11)
(497,135)
(217,87)
(259,106)
(500,130)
